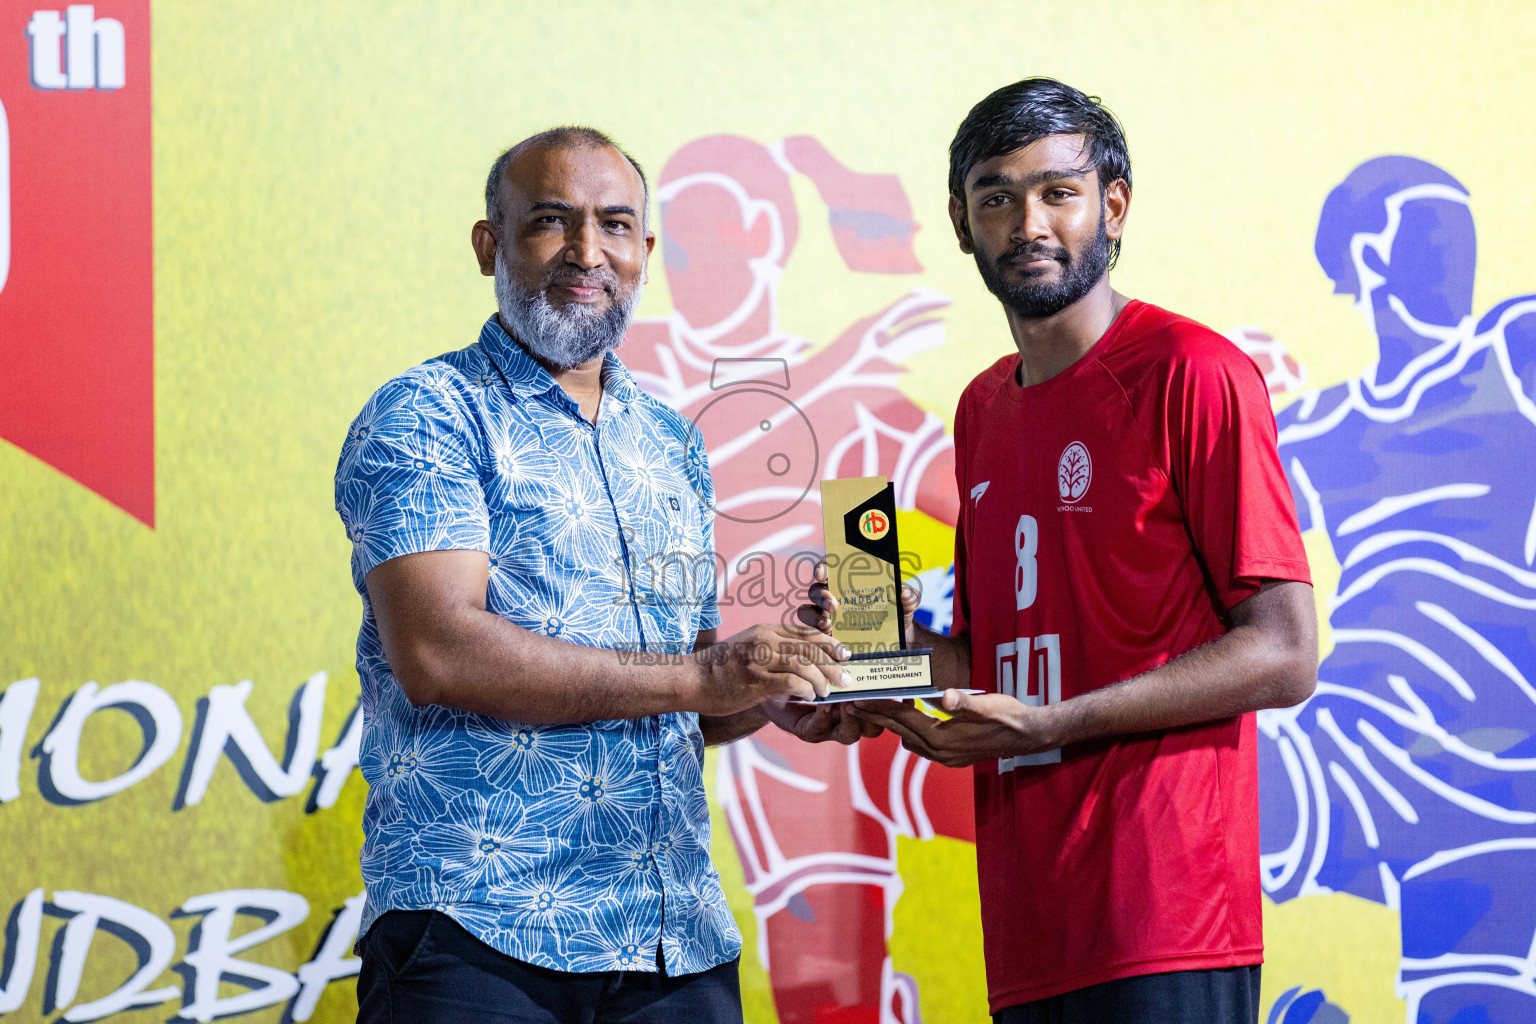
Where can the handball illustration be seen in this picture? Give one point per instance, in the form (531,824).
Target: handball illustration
(1297,1007)
(1409,777)
(1282,374)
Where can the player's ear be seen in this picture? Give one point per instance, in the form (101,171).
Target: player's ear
(1117,205)
(957,217)
(645,265)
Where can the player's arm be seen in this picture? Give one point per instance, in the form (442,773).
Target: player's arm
(951,659)
(445,648)
(1268,659)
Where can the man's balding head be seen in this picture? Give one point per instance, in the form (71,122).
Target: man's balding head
(565,136)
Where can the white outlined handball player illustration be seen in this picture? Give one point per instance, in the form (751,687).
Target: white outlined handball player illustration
(815,825)
(1409,778)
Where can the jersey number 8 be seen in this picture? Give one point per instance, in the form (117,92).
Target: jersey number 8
(1026,575)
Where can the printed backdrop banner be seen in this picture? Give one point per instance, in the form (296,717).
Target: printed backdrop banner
(223,224)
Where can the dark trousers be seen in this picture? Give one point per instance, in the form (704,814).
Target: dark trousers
(422,967)
(1228,995)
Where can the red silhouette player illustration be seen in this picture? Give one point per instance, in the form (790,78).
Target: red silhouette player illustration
(815,825)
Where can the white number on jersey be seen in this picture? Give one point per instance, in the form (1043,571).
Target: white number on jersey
(1030,671)
(1026,575)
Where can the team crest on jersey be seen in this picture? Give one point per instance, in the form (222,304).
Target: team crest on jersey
(1074,472)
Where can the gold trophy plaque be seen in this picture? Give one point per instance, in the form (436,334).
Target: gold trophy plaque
(864,574)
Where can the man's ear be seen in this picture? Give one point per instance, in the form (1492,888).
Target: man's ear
(957,217)
(645,266)
(1117,206)
(483,238)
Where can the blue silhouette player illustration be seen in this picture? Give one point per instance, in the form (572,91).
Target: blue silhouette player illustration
(1409,778)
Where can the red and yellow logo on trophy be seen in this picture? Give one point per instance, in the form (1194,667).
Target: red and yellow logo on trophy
(874,524)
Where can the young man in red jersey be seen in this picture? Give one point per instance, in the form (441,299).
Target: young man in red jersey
(1130,587)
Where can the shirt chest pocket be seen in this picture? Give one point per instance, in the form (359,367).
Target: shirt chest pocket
(667,547)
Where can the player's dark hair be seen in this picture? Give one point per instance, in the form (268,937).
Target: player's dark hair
(569,136)
(1024,112)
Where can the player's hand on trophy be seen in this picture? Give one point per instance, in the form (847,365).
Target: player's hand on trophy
(980,727)
(766,662)
(821,607)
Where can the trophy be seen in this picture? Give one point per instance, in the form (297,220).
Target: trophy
(864,574)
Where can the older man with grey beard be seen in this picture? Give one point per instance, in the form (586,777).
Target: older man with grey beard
(536,832)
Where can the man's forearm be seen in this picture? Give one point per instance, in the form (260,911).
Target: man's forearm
(480,662)
(445,648)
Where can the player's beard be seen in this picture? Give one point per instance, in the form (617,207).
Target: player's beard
(1035,299)
(566,337)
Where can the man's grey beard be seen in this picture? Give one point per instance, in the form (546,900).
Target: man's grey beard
(567,337)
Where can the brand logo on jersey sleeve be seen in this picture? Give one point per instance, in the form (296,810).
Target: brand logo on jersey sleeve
(1074,472)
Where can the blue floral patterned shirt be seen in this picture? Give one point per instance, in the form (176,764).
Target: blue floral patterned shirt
(574,847)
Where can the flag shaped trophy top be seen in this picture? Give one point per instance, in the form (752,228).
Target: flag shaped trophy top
(864,573)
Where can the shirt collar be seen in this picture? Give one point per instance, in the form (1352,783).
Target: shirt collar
(528,379)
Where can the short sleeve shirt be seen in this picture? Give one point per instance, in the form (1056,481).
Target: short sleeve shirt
(573,847)
(1111,518)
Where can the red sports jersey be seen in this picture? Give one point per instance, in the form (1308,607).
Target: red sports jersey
(1110,517)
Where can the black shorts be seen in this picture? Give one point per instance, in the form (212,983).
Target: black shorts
(422,967)
(1228,995)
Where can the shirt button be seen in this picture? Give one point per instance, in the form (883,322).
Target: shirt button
(664,766)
